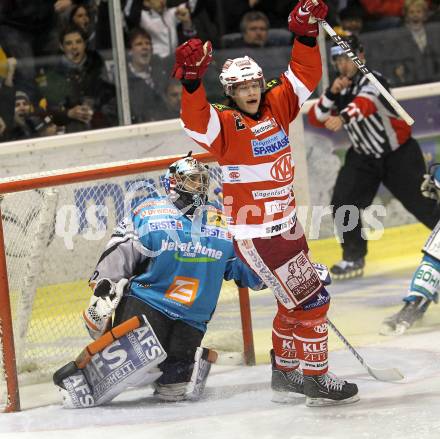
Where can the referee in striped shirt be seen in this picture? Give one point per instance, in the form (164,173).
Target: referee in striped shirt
(382,151)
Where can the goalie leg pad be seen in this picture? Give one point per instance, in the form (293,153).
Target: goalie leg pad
(73,387)
(130,360)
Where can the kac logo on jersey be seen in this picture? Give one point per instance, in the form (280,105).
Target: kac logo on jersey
(270,145)
(282,168)
(233,174)
(183,290)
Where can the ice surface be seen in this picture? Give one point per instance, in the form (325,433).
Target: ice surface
(238,403)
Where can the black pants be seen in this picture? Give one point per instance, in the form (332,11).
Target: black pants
(401,171)
(179,339)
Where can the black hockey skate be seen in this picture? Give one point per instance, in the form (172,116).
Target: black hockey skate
(322,390)
(286,386)
(348,269)
(400,322)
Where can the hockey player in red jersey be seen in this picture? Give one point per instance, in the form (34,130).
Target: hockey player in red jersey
(249,138)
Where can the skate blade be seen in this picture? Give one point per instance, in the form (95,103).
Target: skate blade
(352,275)
(286,397)
(324,402)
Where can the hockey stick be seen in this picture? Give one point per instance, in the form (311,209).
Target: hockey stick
(391,374)
(364,69)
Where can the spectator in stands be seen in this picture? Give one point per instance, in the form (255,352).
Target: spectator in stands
(23,109)
(167,27)
(254,27)
(77,91)
(172,99)
(205,18)
(28,29)
(382,14)
(352,19)
(7,92)
(434,14)
(416,15)
(80,16)
(420,59)
(2,130)
(145,77)
(255,33)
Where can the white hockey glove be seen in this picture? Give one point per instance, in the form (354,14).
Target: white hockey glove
(105,299)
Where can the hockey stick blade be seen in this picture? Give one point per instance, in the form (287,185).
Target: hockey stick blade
(391,374)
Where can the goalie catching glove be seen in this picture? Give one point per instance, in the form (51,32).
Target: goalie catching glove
(105,299)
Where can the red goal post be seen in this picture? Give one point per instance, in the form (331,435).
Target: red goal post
(67,177)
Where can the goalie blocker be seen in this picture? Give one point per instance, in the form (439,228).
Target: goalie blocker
(126,356)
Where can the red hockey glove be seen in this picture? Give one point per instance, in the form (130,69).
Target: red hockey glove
(192,59)
(302,20)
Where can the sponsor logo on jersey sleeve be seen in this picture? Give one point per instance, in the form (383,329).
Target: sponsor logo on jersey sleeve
(221,107)
(272,83)
(183,290)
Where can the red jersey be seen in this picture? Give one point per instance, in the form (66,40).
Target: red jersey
(254,153)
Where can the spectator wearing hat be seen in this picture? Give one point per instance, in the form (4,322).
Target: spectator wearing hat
(23,109)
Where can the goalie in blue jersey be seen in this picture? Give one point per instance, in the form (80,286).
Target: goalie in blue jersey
(159,278)
(425,283)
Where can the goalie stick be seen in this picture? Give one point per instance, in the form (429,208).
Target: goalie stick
(391,374)
(364,69)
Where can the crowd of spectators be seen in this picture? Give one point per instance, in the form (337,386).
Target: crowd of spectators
(57,69)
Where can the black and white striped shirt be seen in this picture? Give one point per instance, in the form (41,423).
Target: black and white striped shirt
(374,128)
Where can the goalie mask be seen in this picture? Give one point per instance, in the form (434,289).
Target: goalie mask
(187,183)
(239,70)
